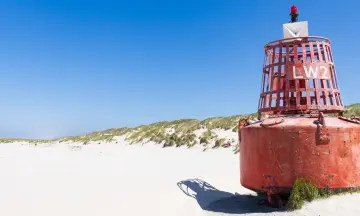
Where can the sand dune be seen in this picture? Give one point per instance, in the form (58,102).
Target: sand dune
(118,179)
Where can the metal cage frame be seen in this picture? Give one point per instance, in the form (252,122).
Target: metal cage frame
(285,92)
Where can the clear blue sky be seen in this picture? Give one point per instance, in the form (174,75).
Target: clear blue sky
(70,67)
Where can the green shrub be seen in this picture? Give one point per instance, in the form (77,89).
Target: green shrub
(353,109)
(219,143)
(204,140)
(225,123)
(169,143)
(206,137)
(187,139)
(302,191)
(192,144)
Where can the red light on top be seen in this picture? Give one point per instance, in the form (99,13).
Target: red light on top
(293,9)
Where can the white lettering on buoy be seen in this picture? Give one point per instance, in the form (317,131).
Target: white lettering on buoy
(324,74)
(294,73)
(311,71)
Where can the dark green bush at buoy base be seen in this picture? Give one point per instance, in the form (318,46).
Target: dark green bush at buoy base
(303,191)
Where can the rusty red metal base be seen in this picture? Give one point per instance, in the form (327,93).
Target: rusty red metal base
(274,152)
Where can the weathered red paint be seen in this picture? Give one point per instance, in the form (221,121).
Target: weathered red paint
(299,85)
(276,151)
(299,76)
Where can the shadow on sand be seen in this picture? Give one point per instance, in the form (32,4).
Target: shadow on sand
(212,199)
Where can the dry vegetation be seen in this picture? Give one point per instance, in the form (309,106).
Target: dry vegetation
(353,109)
(168,133)
(31,141)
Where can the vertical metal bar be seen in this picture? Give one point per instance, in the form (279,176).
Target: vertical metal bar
(272,76)
(262,81)
(312,51)
(315,80)
(332,81)
(328,49)
(325,52)
(334,70)
(321,59)
(269,73)
(297,90)
(280,62)
(323,84)
(287,82)
(308,101)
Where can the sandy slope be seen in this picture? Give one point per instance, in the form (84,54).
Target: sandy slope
(116,179)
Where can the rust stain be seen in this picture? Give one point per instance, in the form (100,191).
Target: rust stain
(273,147)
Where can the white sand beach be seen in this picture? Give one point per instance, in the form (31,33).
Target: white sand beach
(119,179)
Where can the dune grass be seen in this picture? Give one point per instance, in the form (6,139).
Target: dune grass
(353,109)
(168,133)
(106,135)
(303,191)
(31,141)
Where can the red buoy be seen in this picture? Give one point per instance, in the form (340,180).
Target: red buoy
(306,135)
